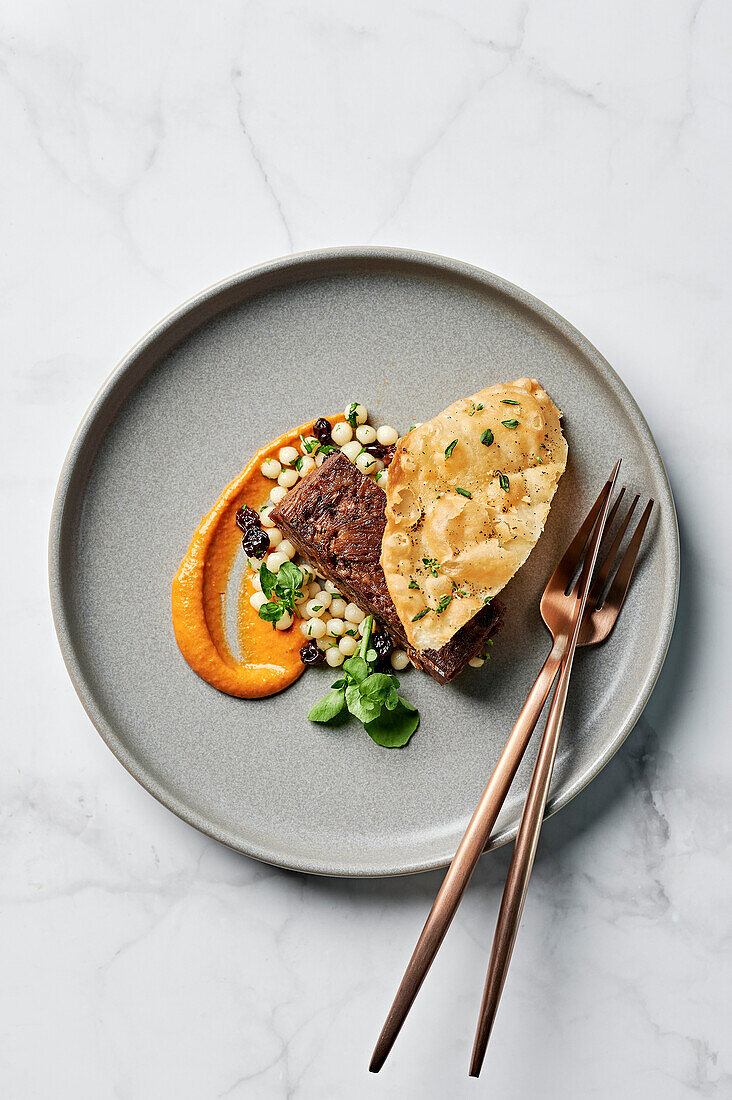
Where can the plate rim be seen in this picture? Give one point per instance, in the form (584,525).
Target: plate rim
(70,473)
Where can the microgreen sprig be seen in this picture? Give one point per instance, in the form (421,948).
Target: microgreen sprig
(369,696)
(281,589)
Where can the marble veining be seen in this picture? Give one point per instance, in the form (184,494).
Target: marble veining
(582,151)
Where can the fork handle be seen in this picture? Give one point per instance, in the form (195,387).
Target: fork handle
(464,862)
(519,872)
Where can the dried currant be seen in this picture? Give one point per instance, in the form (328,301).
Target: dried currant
(246,517)
(383,451)
(255,542)
(256,539)
(311,654)
(322,429)
(383,645)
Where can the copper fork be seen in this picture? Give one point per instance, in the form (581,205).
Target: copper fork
(527,839)
(597,622)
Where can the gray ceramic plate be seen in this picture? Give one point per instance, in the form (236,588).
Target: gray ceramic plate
(406,333)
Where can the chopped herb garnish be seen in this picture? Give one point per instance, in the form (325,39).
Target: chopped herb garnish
(430,565)
(420,614)
(351,415)
(487,437)
(487,600)
(510,423)
(480,407)
(298,464)
(444,603)
(413,584)
(538,461)
(450,448)
(463,492)
(503,482)
(508,401)
(311,445)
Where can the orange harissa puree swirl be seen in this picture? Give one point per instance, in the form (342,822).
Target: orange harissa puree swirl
(270,658)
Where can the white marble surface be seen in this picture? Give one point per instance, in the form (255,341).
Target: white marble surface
(581,150)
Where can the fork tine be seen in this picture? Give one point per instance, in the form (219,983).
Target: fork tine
(573,554)
(604,571)
(619,587)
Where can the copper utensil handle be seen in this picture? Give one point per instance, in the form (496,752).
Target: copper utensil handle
(522,861)
(464,862)
(519,872)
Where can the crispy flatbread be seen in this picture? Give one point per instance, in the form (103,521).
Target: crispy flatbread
(468,495)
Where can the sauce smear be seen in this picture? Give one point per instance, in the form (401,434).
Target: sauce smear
(270,658)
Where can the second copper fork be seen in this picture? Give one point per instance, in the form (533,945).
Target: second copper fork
(599,618)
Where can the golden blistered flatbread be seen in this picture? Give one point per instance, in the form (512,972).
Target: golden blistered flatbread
(467,498)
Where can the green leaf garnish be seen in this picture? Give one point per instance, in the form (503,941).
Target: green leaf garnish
(430,565)
(420,614)
(503,482)
(510,423)
(372,697)
(271,612)
(351,415)
(450,448)
(393,728)
(289,576)
(479,407)
(413,584)
(281,590)
(463,492)
(508,401)
(363,709)
(268,580)
(444,603)
(329,706)
(487,437)
(380,688)
(356,668)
